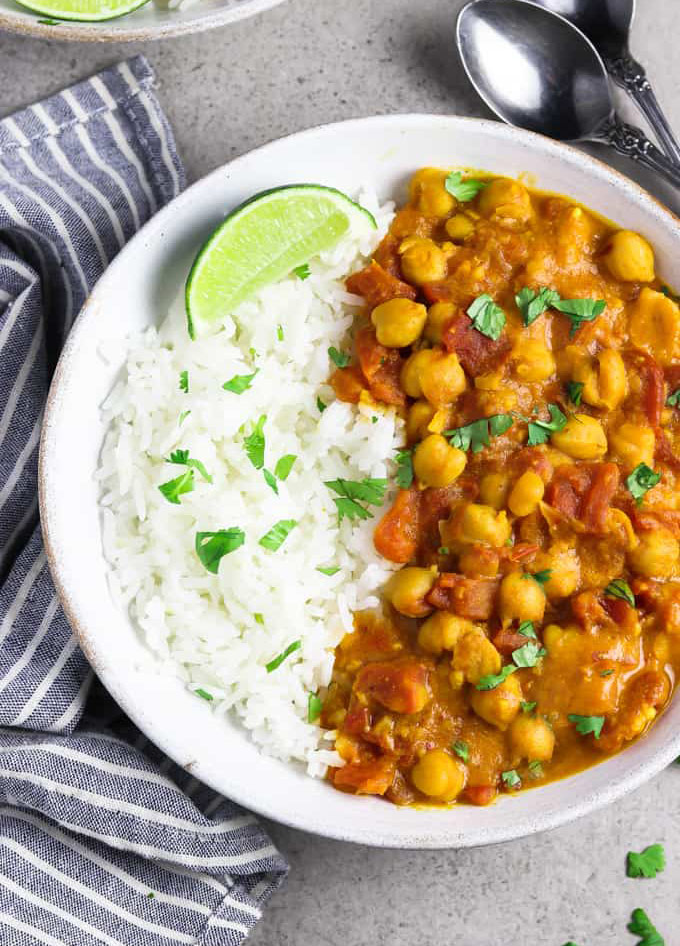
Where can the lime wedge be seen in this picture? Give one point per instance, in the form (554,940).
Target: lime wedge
(83,10)
(262,241)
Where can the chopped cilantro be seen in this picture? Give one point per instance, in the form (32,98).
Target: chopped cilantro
(491,680)
(284,466)
(302,272)
(183,416)
(499,424)
(575,391)
(641,925)
(279,332)
(314,707)
(277,661)
(443,550)
(536,769)
(463,190)
(511,779)
(587,724)
(211,547)
(528,654)
(673,400)
(173,489)
(580,311)
(204,694)
(606,673)
(487,317)
(339,358)
(620,589)
(404,460)
(648,863)
(475,436)
(259,618)
(254,443)
(527,707)
(541,577)
(277,535)
(352,492)
(526,629)
(461,749)
(330,570)
(270,480)
(182,458)
(539,430)
(184,381)
(642,479)
(533,303)
(240,382)
(321,406)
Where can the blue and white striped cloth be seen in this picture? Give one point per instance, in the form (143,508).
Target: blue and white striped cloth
(102,839)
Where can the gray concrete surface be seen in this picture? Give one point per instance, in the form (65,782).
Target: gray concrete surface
(314,61)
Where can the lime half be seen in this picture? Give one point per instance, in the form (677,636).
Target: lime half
(261,242)
(83,10)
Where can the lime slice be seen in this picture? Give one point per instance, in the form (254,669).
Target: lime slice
(262,241)
(83,10)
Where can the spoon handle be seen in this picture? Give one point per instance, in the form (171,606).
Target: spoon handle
(631,76)
(631,142)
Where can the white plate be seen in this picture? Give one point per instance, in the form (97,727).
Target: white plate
(382,152)
(148,22)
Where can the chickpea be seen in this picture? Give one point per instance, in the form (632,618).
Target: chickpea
(437,317)
(422,261)
(407,588)
(459,228)
(506,200)
(526,494)
(534,361)
(483,524)
(493,489)
(442,378)
(632,444)
(399,322)
(476,560)
(552,638)
(629,257)
(438,775)
(412,369)
(436,463)
(474,656)
(531,738)
(606,387)
(521,598)
(654,326)
(419,416)
(564,565)
(429,194)
(442,631)
(582,438)
(493,381)
(499,706)
(656,555)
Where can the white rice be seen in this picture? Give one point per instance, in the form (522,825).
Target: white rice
(199,625)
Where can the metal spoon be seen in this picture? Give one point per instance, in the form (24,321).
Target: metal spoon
(607,25)
(534,69)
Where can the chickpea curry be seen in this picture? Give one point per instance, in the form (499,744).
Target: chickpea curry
(534,626)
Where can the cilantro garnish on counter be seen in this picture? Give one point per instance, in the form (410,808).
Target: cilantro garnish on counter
(487,317)
(641,925)
(648,863)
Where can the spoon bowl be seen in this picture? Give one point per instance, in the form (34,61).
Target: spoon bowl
(605,22)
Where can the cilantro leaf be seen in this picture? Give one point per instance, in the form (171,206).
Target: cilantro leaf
(254,443)
(371,491)
(240,382)
(350,509)
(279,332)
(541,577)
(184,381)
(648,863)
(528,654)
(526,629)
(540,430)
(211,547)
(527,707)
(491,680)
(183,416)
(641,925)
(499,424)
(486,316)
(606,673)
(463,190)
(533,303)
(511,779)
(580,311)
(259,618)
(204,694)
(575,391)
(339,358)
(182,458)
(277,535)
(302,272)
(277,661)
(270,480)
(284,466)
(321,406)
(461,749)
(404,459)
(587,724)
(536,769)
(618,588)
(475,436)
(330,570)
(314,707)
(642,479)
(173,489)
(673,400)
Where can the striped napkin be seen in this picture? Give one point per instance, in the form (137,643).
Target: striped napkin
(102,839)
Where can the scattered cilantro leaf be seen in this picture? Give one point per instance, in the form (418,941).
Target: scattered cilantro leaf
(533,303)
(374,419)
(620,589)
(352,492)
(461,749)
(204,694)
(339,358)
(580,311)
(587,724)
(211,547)
(277,535)
(184,381)
(277,661)
(511,779)
(443,550)
(279,332)
(284,466)
(648,863)
(302,272)
(499,424)
(491,680)
(539,430)
(528,654)
(314,707)
(321,406)
(183,416)
(641,925)
(487,317)
(536,769)
(182,458)
(606,673)
(254,443)
(541,577)
(673,400)
(475,436)
(526,629)
(173,489)
(330,570)
(642,479)
(575,391)
(270,480)
(527,707)
(404,460)
(349,509)
(240,382)
(259,618)
(463,190)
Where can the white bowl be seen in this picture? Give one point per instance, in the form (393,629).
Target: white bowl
(133,293)
(151,21)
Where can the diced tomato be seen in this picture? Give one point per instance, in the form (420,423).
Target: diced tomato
(381,367)
(584,492)
(593,611)
(348,383)
(506,641)
(372,777)
(472,598)
(435,505)
(399,685)
(597,500)
(664,451)
(396,535)
(377,286)
(648,521)
(480,794)
(475,351)
(357,719)
(437,292)
(653,389)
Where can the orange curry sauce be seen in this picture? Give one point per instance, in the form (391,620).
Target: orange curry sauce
(509,652)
